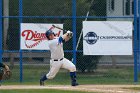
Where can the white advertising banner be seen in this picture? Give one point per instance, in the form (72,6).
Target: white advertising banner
(107,37)
(33,37)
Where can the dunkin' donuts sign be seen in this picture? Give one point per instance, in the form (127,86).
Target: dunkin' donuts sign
(33,35)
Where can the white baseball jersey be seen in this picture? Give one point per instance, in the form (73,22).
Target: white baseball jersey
(57,53)
(56,49)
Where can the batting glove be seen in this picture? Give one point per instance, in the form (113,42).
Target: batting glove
(70,34)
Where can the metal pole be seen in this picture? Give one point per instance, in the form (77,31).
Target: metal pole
(5,22)
(77,45)
(20,21)
(139,31)
(82,28)
(135,42)
(1,30)
(74,29)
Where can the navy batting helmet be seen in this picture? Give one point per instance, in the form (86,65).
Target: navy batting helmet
(48,32)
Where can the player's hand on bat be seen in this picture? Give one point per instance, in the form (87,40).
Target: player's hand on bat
(69,34)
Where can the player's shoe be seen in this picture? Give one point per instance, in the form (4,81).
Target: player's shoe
(74,84)
(41,83)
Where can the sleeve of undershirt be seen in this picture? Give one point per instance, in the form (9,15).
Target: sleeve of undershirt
(61,40)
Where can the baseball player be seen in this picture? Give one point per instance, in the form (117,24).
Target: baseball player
(57,60)
(4,66)
(7,70)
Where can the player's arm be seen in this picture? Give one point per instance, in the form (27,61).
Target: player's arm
(7,67)
(5,72)
(67,36)
(58,34)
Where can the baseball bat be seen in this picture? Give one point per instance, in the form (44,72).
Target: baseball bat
(59,28)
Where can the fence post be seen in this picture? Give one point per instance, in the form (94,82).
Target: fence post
(135,42)
(74,29)
(0,30)
(139,31)
(20,51)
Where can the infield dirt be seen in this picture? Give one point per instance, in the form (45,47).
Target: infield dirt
(87,88)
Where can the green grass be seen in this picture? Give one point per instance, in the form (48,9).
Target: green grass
(32,74)
(40,91)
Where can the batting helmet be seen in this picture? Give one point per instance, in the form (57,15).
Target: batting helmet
(48,32)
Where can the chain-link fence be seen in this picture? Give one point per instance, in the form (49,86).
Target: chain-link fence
(29,66)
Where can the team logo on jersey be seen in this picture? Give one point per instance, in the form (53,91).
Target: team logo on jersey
(91,38)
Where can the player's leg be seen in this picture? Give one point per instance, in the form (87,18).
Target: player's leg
(54,68)
(1,75)
(71,67)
